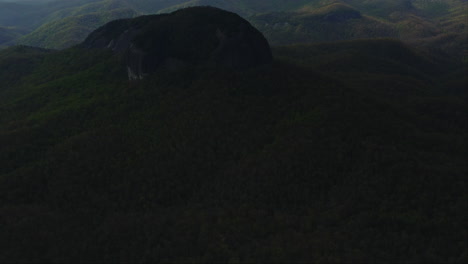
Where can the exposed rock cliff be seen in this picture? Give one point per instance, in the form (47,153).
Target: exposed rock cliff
(204,36)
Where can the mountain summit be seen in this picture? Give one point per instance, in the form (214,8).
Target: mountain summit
(201,36)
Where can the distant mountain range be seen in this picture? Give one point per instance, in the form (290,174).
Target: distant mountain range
(440,26)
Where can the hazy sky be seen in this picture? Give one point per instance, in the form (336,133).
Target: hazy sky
(22,1)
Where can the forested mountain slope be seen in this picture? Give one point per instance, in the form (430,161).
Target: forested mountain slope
(437,26)
(69,31)
(8,34)
(353,151)
(328,23)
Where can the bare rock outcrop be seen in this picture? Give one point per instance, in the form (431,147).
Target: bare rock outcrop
(200,36)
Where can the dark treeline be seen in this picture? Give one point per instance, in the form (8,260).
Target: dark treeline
(337,152)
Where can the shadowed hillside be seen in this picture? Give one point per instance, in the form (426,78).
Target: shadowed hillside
(350,151)
(8,34)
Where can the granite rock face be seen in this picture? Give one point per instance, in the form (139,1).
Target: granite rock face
(200,36)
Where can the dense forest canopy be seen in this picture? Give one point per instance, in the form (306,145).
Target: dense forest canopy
(349,144)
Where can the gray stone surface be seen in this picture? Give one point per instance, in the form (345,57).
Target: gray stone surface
(199,36)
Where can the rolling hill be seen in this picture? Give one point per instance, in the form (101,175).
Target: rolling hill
(437,26)
(69,31)
(8,34)
(329,23)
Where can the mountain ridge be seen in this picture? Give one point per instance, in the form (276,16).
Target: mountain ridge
(419,23)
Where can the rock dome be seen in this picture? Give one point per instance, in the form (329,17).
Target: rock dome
(205,36)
